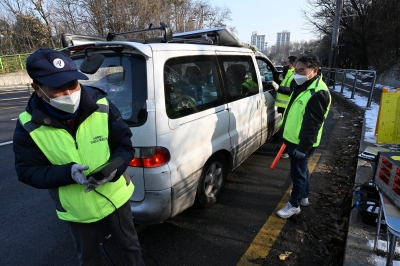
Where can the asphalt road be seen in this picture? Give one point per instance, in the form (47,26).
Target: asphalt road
(31,234)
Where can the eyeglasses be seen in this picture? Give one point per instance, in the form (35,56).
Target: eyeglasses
(302,71)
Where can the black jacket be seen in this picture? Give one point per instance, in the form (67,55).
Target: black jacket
(313,117)
(32,166)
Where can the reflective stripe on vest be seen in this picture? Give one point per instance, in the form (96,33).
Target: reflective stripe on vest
(282,100)
(90,148)
(294,118)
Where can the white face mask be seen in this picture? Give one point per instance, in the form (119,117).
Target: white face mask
(66,103)
(301,79)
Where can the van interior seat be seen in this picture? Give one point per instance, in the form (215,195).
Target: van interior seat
(205,70)
(193,73)
(236,75)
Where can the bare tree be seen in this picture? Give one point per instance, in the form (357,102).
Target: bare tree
(36,23)
(368,34)
(44,12)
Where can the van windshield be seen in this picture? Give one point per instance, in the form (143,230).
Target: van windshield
(124,79)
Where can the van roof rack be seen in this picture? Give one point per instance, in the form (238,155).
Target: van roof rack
(214,36)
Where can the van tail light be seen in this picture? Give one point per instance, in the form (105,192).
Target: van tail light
(150,157)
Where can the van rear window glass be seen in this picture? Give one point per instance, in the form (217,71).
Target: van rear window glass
(191,84)
(124,79)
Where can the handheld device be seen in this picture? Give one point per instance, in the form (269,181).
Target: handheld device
(107,168)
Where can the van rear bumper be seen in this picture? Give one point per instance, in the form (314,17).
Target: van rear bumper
(155,208)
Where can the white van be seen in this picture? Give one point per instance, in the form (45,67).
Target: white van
(183,97)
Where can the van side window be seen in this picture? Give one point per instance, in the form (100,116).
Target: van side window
(240,76)
(191,84)
(266,72)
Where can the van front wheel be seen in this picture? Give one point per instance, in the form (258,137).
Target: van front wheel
(212,181)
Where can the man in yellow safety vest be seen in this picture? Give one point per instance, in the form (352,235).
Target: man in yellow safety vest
(302,125)
(284,91)
(66,131)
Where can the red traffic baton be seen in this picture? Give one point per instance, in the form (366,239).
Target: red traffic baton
(277,157)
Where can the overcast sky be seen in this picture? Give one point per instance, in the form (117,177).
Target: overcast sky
(267,17)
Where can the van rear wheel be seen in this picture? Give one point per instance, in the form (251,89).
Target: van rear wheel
(212,181)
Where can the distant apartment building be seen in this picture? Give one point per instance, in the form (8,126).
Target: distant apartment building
(258,41)
(282,40)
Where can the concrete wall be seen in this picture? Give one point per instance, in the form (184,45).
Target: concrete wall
(17,78)
(390,77)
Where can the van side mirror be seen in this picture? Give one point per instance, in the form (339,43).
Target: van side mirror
(91,63)
(280,77)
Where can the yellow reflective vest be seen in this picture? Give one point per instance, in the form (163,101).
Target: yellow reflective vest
(90,147)
(251,85)
(294,117)
(282,100)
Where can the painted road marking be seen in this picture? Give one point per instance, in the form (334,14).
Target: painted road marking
(5,143)
(10,99)
(266,237)
(11,107)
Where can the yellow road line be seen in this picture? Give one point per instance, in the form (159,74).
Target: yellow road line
(11,107)
(266,237)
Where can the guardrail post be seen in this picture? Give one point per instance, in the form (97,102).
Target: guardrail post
(334,79)
(327,77)
(20,62)
(30,89)
(372,91)
(354,86)
(343,80)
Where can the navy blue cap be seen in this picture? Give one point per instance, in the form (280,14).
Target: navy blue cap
(52,68)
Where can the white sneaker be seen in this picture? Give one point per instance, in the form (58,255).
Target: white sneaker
(288,211)
(304,201)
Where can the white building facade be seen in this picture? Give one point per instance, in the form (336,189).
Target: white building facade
(258,41)
(282,40)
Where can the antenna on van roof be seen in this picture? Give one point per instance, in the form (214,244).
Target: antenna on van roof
(164,27)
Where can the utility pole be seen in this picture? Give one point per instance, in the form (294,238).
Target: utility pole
(335,33)
(202,17)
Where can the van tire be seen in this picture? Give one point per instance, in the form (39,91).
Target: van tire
(212,181)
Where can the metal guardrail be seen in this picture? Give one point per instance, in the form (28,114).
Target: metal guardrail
(353,79)
(12,63)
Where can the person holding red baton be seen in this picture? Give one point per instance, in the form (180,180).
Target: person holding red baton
(302,125)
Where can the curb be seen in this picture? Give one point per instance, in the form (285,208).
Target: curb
(8,87)
(358,250)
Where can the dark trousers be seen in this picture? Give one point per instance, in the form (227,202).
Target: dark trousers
(300,176)
(87,237)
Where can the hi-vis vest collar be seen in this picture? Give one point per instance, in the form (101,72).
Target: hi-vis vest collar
(90,147)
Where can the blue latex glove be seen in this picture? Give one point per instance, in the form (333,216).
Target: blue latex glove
(298,154)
